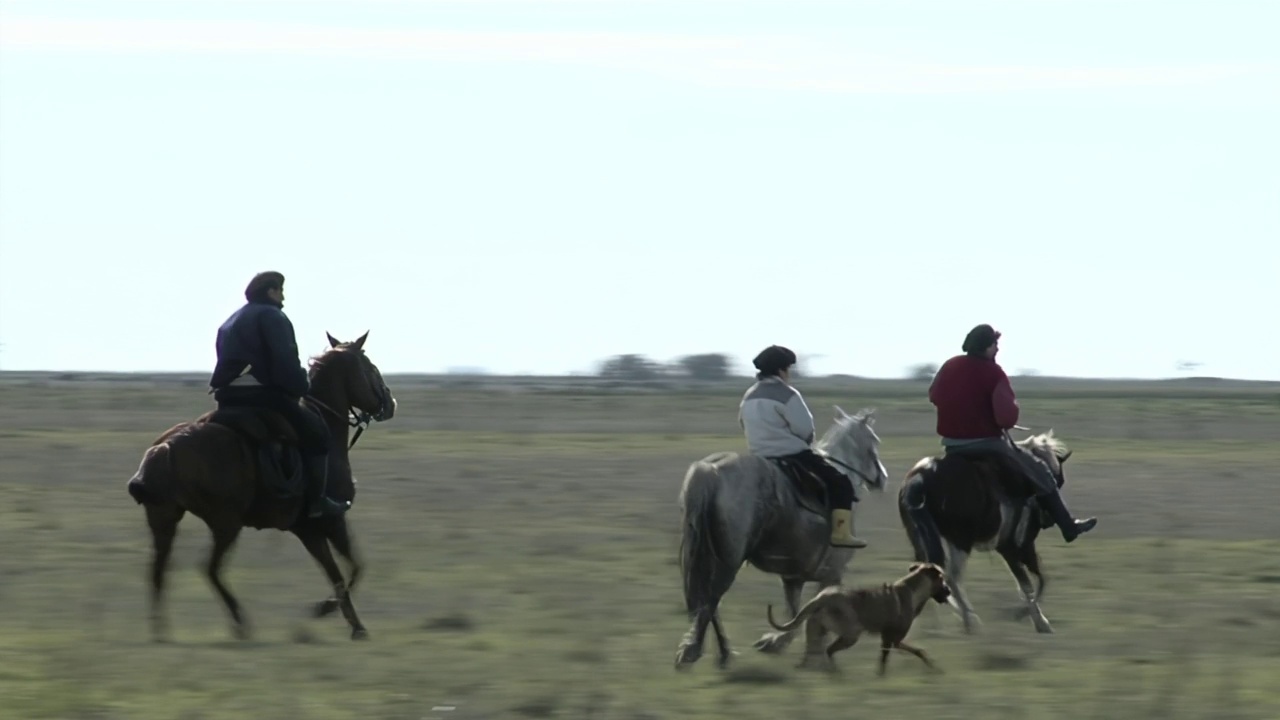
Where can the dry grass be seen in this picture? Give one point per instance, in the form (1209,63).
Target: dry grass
(521,564)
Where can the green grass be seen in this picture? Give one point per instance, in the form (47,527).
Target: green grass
(521,564)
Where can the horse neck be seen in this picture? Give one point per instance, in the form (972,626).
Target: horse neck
(335,397)
(832,446)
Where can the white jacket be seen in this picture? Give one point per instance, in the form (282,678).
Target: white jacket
(775,419)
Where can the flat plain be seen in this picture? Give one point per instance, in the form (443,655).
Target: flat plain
(520,546)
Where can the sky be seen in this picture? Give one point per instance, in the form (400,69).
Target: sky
(532,186)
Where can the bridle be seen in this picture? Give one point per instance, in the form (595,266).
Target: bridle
(358,420)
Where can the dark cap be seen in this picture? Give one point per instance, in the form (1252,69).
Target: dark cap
(774,358)
(980,338)
(261,283)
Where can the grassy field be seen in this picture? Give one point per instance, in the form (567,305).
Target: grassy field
(520,546)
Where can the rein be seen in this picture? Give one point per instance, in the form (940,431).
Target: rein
(359,421)
(862,477)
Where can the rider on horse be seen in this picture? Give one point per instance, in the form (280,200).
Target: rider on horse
(259,366)
(975,409)
(778,425)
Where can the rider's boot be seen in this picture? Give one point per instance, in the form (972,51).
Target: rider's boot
(1071,528)
(319,504)
(841,521)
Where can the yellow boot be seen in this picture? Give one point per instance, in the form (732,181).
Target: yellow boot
(841,520)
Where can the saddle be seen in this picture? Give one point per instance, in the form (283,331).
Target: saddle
(1007,478)
(811,492)
(274,442)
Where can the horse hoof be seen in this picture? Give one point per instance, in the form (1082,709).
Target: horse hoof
(1045,629)
(773,643)
(724,659)
(241,632)
(359,634)
(686,656)
(815,662)
(324,608)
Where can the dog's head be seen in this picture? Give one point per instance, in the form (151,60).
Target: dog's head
(936,578)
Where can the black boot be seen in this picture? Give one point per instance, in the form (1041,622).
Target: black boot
(1070,527)
(319,504)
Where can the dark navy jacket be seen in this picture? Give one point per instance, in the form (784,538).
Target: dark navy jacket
(260,334)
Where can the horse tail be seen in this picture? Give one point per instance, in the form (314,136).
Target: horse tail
(824,597)
(152,484)
(706,572)
(921,529)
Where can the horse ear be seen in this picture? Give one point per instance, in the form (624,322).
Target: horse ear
(869,416)
(333,341)
(359,343)
(1064,457)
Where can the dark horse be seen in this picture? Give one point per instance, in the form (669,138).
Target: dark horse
(238,468)
(965,504)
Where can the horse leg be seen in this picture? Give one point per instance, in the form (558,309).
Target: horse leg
(163,522)
(1030,560)
(777,641)
(340,538)
(956,561)
(722,641)
(224,536)
(318,545)
(1031,608)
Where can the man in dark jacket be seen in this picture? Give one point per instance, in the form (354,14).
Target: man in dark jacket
(975,409)
(259,366)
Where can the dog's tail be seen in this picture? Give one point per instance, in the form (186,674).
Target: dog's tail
(819,601)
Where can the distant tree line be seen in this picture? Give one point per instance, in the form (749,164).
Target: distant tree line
(637,368)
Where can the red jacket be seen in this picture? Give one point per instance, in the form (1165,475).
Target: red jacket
(973,398)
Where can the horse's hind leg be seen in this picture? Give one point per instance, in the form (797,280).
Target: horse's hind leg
(163,522)
(224,536)
(956,561)
(777,641)
(722,641)
(318,545)
(340,538)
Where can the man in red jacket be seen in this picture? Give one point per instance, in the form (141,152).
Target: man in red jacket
(976,407)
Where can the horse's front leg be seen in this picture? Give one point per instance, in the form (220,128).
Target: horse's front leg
(776,641)
(1030,595)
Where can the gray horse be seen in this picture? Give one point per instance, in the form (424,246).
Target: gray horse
(742,508)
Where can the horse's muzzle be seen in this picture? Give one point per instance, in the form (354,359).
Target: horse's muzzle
(386,406)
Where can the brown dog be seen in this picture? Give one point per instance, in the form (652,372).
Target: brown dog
(888,610)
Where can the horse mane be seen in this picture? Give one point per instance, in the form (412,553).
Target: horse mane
(842,425)
(1048,448)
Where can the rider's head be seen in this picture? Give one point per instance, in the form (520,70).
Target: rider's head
(774,360)
(982,341)
(266,287)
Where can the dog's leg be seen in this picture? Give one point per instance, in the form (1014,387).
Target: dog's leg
(843,642)
(885,645)
(776,642)
(956,561)
(902,645)
(815,655)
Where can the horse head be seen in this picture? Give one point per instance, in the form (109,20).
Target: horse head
(853,445)
(349,377)
(1050,450)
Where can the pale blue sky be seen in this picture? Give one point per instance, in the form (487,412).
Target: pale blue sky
(532,186)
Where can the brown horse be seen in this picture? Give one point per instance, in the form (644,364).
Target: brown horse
(237,468)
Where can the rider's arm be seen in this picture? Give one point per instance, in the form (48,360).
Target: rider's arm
(282,347)
(798,418)
(1004,403)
